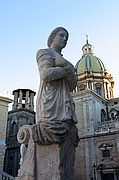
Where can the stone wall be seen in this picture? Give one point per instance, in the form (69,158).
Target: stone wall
(3,121)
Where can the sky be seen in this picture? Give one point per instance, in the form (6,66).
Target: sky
(26,24)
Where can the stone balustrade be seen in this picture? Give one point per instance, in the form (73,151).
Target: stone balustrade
(108,126)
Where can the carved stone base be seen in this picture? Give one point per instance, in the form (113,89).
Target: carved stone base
(50,161)
(55,162)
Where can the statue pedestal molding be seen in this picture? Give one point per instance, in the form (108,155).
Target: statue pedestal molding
(53,161)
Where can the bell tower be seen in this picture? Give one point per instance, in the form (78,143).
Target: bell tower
(23,98)
(22,113)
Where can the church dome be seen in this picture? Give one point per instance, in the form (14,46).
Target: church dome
(92,74)
(89,62)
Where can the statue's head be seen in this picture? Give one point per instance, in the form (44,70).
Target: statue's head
(53,34)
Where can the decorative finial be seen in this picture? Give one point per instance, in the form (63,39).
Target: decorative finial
(86,39)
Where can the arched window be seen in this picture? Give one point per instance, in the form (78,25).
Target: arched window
(114,114)
(13,128)
(103,115)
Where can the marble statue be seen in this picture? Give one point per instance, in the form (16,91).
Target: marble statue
(57,80)
(53,139)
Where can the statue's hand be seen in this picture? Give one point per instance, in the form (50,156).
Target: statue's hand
(60,62)
(69,68)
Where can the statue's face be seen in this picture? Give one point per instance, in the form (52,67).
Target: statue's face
(60,39)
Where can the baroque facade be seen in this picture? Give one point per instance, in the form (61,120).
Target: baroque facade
(22,113)
(97,155)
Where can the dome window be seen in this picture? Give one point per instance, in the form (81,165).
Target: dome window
(82,87)
(98,90)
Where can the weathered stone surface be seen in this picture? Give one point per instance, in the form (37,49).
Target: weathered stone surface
(53,161)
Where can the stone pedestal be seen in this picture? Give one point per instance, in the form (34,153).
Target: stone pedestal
(53,161)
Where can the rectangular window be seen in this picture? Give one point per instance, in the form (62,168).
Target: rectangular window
(106,154)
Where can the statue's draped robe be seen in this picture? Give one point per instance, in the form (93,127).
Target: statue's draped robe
(54,101)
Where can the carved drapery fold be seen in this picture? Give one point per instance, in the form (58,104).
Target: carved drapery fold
(48,132)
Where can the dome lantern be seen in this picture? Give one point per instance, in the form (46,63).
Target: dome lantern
(87,48)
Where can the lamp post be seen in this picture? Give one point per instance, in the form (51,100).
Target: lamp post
(117,172)
(101,171)
(91,178)
(94,171)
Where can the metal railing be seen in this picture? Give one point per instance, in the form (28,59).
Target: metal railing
(5,176)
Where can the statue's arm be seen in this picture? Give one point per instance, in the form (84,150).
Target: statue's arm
(72,81)
(71,76)
(48,71)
